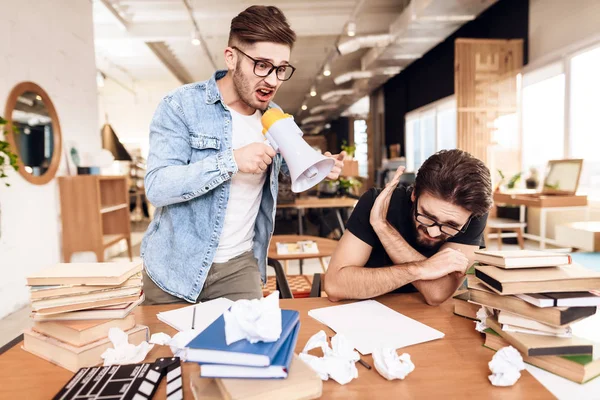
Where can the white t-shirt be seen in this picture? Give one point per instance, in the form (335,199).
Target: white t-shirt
(245,194)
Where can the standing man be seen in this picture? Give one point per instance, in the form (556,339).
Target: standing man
(406,238)
(210,175)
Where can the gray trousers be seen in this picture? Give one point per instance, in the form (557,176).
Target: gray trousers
(235,279)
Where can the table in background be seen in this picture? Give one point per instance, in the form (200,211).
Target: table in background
(326,248)
(546,204)
(455,367)
(336,203)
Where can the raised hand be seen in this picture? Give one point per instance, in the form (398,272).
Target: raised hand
(382,202)
(339,164)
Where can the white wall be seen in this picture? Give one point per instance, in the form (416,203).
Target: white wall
(51,43)
(557,24)
(130,113)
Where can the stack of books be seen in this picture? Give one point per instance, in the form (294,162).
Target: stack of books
(244,370)
(75,305)
(243,359)
(536,297)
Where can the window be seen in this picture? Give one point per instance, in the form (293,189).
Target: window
(584,130)
(362,149)
(543,119)
(428,130)
(446,127)
(545,108)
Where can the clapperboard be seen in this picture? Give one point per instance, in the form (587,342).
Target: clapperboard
(125,382)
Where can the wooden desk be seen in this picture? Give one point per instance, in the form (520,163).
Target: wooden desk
(546,204)
(304,203)
(326,248)
(454,367)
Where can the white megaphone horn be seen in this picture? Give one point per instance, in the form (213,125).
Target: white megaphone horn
(307,166)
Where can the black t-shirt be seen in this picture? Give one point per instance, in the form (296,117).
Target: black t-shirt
(400,216)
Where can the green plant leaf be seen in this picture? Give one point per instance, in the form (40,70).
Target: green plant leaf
(6,153)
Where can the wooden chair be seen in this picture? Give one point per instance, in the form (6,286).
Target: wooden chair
(317,285)
(496,226)
(282,283)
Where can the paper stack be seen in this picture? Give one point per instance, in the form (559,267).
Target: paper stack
(300,247)
(75,305)
(533,301)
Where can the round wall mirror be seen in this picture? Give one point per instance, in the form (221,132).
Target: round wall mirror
(36,136)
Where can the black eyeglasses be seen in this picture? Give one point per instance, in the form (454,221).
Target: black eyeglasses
(264,68)
(445,229)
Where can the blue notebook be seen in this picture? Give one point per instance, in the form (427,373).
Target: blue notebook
(210,346)
(278,369)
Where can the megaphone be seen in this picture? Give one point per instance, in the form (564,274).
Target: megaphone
(307,166)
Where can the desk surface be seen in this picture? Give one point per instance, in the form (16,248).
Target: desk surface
(540,200)
(453,367)
(317,202)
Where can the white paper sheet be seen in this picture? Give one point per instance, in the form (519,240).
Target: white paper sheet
(565,389)
(206,314)
(370,325)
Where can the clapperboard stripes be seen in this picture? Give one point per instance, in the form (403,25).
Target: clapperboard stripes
(124,382)
(174,382)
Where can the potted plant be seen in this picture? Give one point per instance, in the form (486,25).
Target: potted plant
(348,186)
(350,150)
(532,181)
(8,159)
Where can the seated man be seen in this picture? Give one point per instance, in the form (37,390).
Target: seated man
(421,238)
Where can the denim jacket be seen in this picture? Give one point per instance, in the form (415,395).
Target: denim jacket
(188,180)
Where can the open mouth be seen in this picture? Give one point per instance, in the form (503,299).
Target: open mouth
(264,94)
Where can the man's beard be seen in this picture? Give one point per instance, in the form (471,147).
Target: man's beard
(245,92)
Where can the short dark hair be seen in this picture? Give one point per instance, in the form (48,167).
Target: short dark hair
(458,177)
(261,24)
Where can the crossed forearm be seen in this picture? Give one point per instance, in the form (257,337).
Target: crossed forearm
(399,251)
(353,282)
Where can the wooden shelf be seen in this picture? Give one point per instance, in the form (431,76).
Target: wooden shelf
(94,213)
(107,209)
(109,240)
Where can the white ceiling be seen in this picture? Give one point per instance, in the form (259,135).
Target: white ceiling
(140,40)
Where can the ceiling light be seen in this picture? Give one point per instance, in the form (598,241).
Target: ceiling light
(447,18)
(411,40)
(391,70)
(336,94)
(407,56)
(313,91)
(313,119)
(351,28)
(323,107)
(352,45)
(38,97)
(326,70)
(25,100)
(304,107)
(195,38)
(348,76)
